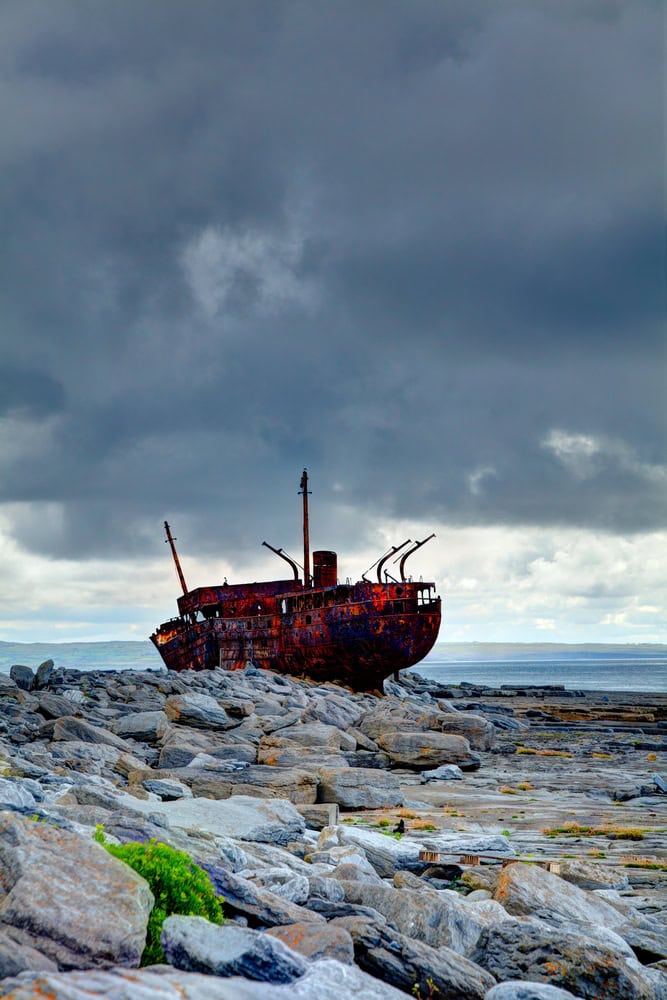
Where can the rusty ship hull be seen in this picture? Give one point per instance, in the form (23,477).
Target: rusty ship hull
(354,634)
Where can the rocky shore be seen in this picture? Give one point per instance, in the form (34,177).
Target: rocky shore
(460,842)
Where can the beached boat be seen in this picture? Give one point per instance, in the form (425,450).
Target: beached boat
(309,625)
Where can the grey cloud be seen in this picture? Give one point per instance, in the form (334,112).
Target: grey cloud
(434,238)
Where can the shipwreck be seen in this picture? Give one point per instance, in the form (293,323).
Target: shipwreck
(309,625)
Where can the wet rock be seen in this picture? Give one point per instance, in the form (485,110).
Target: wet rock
(359,788)
(8,686)
(315,941)
(192,944)
(69,898)
(413,965)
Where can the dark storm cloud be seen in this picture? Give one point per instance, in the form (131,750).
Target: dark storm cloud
(415,247)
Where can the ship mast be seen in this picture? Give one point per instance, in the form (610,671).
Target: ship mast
(174,553)
(306,539)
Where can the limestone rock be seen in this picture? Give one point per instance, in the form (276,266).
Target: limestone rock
(195,945)
(323,980)
(148,727)
(273,821)
(359,788)
(532,949)
(517,989)
(436,918)
(316,941)
(527,890)
(408,963)
(200,710)
(44,674)
(251,900)
(68,727)
(22,676)
(69,898)
(260,781)
(424,751)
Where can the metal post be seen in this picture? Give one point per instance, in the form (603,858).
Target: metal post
(306,537)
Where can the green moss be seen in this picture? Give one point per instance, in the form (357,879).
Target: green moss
(177,883)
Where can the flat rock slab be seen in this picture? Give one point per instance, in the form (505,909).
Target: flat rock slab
(359,788)
(423,751)
(69,898)
(271,821)
(259,781)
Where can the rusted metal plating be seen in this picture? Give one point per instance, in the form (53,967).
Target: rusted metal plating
(356,634)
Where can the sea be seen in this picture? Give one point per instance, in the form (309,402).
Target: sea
(641,667)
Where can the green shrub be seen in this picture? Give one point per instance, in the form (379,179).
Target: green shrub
(177,883)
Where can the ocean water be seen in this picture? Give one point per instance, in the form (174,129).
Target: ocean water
(594,667)
(587,668)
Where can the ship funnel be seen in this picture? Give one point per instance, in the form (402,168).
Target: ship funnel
(325,569)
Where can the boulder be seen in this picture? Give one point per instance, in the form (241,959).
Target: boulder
(53,706)
(44,674)
(168,789)
(423,751)
(260,781)
(396,716)
(527,890)
(277,752)
(359,788)
(22,676)
(436,918)
(70,728)
(323,980)
(15,793)
(446,772)
(316,941)
(16,958)
(273,821)
(195,945)
(198,710)
(148,727)
(591,876)
(260,905)
(318,735)
(534,950)
(68,898)
(411,965)
(516,989)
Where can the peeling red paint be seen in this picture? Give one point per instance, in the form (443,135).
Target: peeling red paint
(356,634)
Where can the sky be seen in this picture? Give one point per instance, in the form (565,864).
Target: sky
(416,247)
